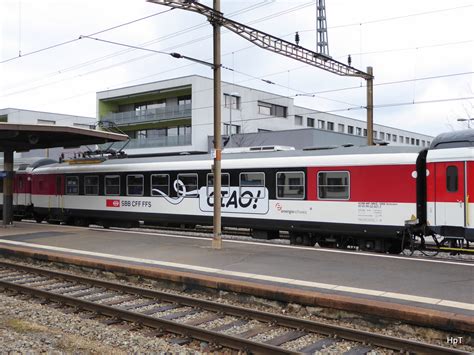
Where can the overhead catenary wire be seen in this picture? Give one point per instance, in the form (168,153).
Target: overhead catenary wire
(266,80)
(205,37)
(92,34)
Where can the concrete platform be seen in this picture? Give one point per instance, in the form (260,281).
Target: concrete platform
(422,291)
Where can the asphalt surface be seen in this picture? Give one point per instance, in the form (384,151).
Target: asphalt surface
(435,284)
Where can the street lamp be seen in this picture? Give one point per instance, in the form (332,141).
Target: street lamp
(466,119)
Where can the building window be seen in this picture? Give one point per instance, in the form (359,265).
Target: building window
(82,125)
(149,105)
(142,135)
(185,130)
(298,120)
(157,104)
(279,111)
(452,178)
(321,124)
(47,122)
(112,185)
(413,141)
(251,180)
(423,143)
(374,135)
(394,137)
(330,126)
(382,136)
(358,131)
(135,185)
(407,140)
(184,100)
(172,132)
(264,109)
(389,137)
(428,143)
(231,129)
(340,128)
(350,129)
(365,132)
(271,110)
(417,142)
(91,185)
(310,122)
(72,185)
(232,101)
(160,185)
(290,185)
(333,185)
(190,182)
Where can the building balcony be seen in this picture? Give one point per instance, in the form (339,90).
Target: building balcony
(153,115)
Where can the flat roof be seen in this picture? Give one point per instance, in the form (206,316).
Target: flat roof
(24,137)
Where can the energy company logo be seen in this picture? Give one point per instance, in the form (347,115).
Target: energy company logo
(112,203)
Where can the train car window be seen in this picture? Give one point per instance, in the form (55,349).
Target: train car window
(190,182)
(333,185)
(72,185)
(160,185)
(452,178)
(112,185)
(251,180)
(290,185)
(91,185)
(135,185)
(225,182)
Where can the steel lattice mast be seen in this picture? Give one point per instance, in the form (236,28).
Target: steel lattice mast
(322,44)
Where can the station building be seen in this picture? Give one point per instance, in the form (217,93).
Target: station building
(176,115)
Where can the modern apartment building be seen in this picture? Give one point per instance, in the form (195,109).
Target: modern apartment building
(176,115)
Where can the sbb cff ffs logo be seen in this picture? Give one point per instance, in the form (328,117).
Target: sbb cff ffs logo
(113,203)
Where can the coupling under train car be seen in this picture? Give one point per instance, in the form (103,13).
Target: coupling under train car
(374,198)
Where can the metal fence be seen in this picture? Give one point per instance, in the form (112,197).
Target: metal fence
(143,116)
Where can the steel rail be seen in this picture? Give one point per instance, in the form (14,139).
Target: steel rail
(157,323)
(286,321)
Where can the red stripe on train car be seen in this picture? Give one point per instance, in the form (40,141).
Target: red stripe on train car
(381,183)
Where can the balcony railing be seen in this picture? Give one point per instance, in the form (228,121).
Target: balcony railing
(157,142)
(153,115)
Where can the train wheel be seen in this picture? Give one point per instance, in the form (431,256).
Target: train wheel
(324,244)
(39,218)
(81,222)
(395,247)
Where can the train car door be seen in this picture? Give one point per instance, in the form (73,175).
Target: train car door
(20,190)
(59,191)
(450,194)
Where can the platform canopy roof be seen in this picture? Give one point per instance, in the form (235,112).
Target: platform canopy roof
(24,137)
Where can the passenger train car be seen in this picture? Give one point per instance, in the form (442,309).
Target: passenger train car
(368,197)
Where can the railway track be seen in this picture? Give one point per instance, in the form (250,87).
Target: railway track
(193,318)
